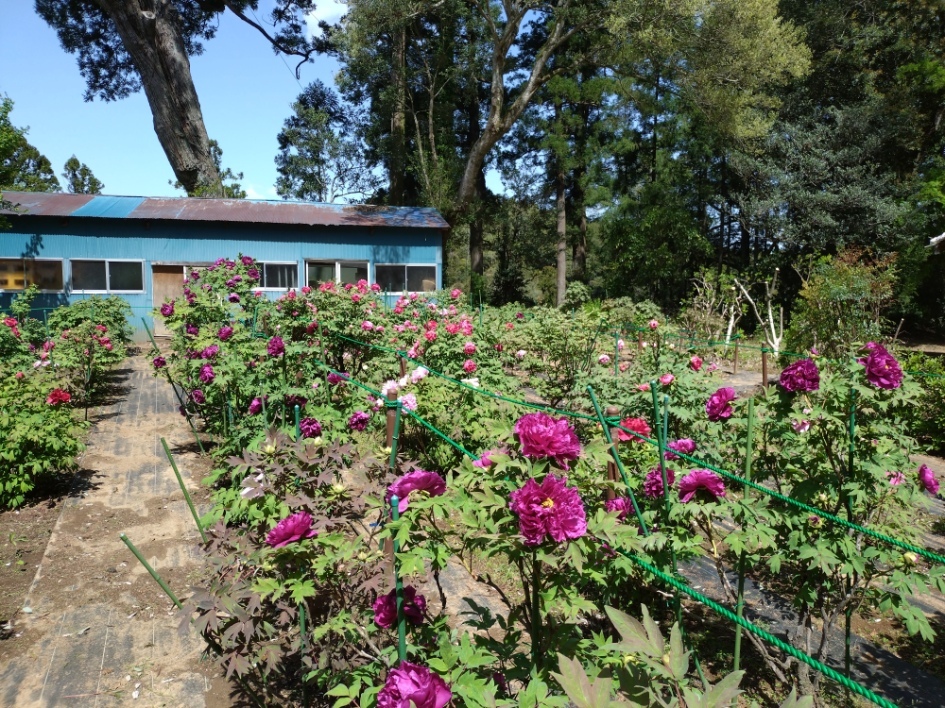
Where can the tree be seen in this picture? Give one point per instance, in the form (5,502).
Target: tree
(23,168)
(123,46)
(79,178)
(320,157)
(233,190)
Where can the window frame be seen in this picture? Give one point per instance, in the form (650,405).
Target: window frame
(108,276)
(261,266)
(436,273)
(338,263)
(62,273)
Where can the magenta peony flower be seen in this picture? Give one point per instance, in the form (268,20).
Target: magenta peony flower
(290,529)
(246,260)
(206,374)
(667,379)
(621,505)
(801,377)
(417,481)
(469,366)
(413,686)
(293,400)
(706,480)
(653,482)
(233,297)
(485,459)
(549,509)
(252,274)
(800,426)
(198,397)
(210,352)
(695,362)
(719,405)
(192,329)
(637,425)
(276,347)
(225,333)
(167,309)
(358,420)
(542,436)
(927,480)
(255,406)
(385,607)
(310,428)
(159,362)
(686,446)
(335,379)
(469,348)
(882,369)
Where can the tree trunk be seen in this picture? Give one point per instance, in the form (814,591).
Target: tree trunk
(476,227)
(398,122)
(150,35)
(579,250)
(562,279)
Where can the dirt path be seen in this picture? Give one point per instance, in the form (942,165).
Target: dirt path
(95,629)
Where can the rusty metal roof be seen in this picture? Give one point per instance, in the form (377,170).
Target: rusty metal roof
(223,210)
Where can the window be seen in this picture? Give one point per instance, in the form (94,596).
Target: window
(108,276)
(20,273)
(337,271)
(279,276)
(410,278)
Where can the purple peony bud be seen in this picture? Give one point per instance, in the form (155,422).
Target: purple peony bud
(385,607)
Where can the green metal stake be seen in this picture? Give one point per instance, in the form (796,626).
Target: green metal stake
(183,488)
(304,642)
(152,571)
(298,423)
(740,603)
(616,350)
(848,624)
(399,588)
(617,461)
(536,612)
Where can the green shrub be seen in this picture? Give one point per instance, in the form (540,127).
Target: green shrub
(927,419)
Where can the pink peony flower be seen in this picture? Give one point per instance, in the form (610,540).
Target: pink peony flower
(57,397)
(292,528)
(549,509)
(686,446)
(542,436)
(927,480)
(367,325)
(697,480)
(801,377)
(643,387)
(895,478)
(620,345)
(385,607)
(310,428)
(800,426)
(623,366)
(413,686)
(276,347)
(418,481)
(621,505)
(653,324)
(408,401)
(455,293)
(667,379)
(719,405)
(469,348)
(695,362)
(653,482)
(358,420)
(603,360)
(520,354)
(469,366)
(637,425)
(882,369)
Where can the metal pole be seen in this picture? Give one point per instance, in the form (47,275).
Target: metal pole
(398,588)
(183,488)
(612,474)
(152,571)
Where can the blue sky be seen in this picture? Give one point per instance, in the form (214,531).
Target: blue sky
(245,90)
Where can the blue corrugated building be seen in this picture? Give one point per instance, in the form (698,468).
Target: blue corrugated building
(74,246)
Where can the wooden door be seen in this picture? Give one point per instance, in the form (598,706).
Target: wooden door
(167,282)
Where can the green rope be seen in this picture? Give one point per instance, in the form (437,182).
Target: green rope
(444,436)
(757,631)
(929,555)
